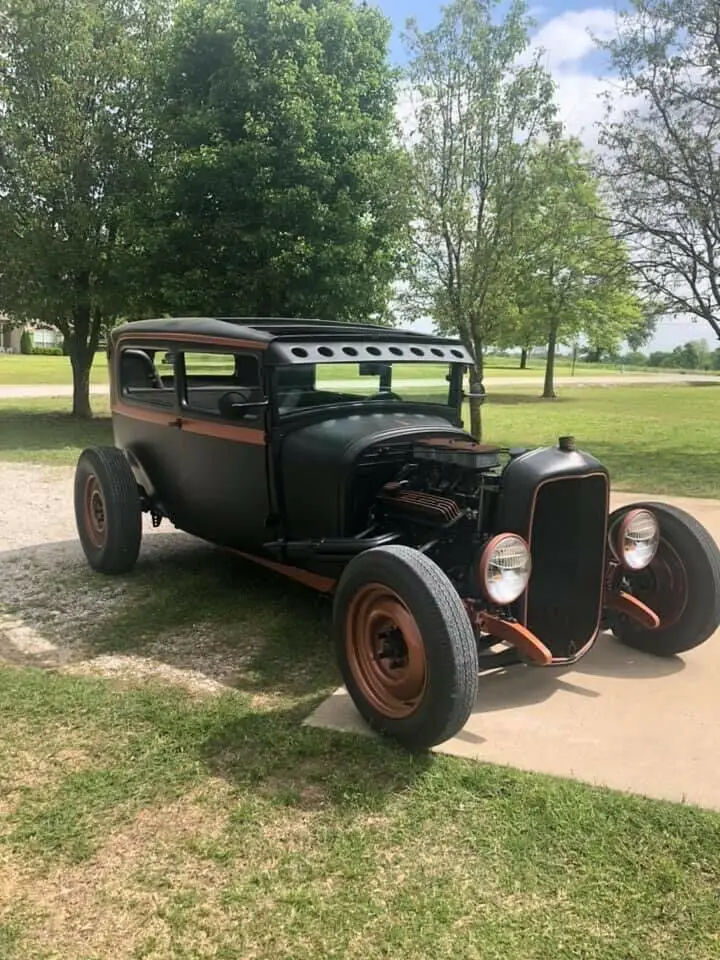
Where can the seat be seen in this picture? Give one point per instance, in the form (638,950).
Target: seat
(137,371)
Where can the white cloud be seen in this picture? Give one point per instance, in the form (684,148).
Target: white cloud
(566,43)
(568,38)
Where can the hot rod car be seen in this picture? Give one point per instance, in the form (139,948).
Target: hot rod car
(336,455)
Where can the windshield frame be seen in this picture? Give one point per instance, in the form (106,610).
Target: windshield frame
(452,371)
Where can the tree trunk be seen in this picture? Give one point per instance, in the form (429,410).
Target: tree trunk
(523,358)
(82,343)
(549,388)
(81,361)
(476,385)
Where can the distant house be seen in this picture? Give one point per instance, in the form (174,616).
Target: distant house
(9,337)
(43,336)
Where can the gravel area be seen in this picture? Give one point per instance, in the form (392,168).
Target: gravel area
(48,593)
(36,505)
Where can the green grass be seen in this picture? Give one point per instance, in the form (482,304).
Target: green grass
(656,439)
(154,818)
(16,369)
(43,430)
(653,439)
(140,821)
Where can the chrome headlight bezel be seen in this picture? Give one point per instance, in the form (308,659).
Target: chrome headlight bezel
(504,569)
(635,539)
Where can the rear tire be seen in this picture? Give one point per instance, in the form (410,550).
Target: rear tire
(108,512)
(682,585)
(405,646)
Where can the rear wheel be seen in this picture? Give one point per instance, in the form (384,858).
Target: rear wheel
(108,511)
(682,585)
(405,646)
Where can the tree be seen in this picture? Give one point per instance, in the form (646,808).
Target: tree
(661,162)
(26,342)
(483,103)
(73,132)
(576,275)
(635,358)
(279,183)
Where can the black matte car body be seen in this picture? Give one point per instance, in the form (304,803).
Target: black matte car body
(384,501)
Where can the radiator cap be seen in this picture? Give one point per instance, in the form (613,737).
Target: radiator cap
(567,444)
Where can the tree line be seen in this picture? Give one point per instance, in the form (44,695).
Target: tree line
(245,157)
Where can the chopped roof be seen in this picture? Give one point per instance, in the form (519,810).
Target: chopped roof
(296,340)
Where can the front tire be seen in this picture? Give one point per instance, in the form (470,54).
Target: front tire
(108,512)
(682,585)
(405,646)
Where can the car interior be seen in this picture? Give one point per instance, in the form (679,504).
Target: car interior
(221,394)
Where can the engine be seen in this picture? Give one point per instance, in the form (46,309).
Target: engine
(447,480)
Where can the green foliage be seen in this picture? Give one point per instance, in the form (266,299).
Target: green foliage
(481,108)
(635,358)
(661,161)
(575,276)
(280,185)
(693,355)
(73,138)
(26,342)
(47,351)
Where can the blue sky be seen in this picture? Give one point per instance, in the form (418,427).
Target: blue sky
(579,70)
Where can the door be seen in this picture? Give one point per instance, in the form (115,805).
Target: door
(146,411)
(224,453)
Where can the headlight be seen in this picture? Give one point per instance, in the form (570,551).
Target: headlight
(504,568)
(636,539)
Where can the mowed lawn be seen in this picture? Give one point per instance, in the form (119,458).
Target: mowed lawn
(16,369)
(161,800)
(176,807)
(656,439)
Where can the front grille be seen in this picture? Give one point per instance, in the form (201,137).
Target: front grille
(567,542)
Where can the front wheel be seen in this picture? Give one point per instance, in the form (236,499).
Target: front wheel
(682,585)
(405,646)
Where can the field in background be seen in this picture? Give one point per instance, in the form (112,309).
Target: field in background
(159,797)
(657,439)
(16,369)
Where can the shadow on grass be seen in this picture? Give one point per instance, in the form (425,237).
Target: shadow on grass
(515,399)
(23,431)
(155,745)
(310,767)
(188,605)
(663,470)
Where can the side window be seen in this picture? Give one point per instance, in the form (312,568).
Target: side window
(146,376)
(225,385)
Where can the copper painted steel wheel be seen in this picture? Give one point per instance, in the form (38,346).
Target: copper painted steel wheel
(663,586)
(108,510)
(385,651)
(405,646)
(94,512)
(681,584)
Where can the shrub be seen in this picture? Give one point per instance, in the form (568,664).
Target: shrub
(47,351)
(26,342)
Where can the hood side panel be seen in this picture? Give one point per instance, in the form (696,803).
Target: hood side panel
(317,462)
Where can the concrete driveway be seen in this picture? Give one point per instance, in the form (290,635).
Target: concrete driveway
(617,718)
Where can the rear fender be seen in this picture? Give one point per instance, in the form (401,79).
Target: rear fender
(142,478)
